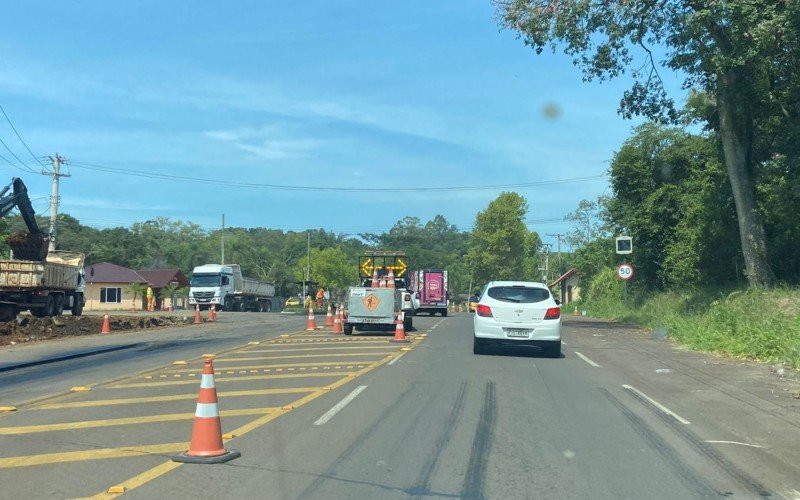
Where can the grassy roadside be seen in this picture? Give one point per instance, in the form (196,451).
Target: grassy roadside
(755,324)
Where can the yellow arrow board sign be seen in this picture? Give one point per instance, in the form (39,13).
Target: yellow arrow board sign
(399,267)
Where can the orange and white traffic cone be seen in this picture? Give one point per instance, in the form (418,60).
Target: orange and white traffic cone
(212,314)
(329,317)
(197,319)
(337,322)
(206,446)
(106,325)
(399,330)
(311,325)
(375,282)
(390,279)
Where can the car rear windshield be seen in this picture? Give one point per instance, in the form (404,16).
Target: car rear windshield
(519,294)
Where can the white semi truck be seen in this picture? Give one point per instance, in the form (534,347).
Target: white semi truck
(223,287)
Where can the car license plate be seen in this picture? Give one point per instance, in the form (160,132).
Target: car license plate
(517,332)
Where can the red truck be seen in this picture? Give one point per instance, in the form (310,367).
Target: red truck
(430,286)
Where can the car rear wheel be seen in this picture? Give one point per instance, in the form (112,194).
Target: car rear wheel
(444,313)
(554,351)
(477,348)
(348,329)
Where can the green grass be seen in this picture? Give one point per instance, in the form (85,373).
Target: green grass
(754,324)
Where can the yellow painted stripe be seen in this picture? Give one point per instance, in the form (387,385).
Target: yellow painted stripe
(79,456)
(301,356)
(277,365)
(225,380)
(166,467)
(178,397)
(90,424)
(314,348)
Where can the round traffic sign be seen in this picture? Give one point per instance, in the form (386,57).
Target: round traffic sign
(625,271)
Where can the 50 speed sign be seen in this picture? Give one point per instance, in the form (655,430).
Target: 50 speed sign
(625,271)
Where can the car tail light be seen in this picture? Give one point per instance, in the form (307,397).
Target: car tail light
(553,313)
(484,310)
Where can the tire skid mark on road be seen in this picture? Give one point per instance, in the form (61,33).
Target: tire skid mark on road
(670,456)
(474,480)
(423,483)
(711,453)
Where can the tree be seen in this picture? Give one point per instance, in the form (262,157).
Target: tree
(497,245)
(331,268)
(137,289)
(741,53)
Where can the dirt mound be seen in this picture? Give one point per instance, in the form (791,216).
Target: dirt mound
(30,329)
(28,246)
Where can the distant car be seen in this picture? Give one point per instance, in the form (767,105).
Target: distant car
(517,314)
(292,302)
(472,303)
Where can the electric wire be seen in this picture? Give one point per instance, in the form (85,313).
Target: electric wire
(20,138)
(287,187)
(26,167)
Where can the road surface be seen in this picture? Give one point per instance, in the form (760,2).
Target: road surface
(317,415)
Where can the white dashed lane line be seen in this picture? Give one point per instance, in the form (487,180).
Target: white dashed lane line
(338,407)
(587,360)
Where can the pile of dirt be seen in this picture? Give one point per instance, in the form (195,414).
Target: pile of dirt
(30,329)
(28,246)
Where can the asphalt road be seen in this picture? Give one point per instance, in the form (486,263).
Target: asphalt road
(322,416)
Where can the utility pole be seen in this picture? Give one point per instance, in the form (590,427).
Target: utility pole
(308,264)
(222,242)
(560,264)
(56,173)
(546,269)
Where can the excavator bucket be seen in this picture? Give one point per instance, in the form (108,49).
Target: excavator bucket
(28,246)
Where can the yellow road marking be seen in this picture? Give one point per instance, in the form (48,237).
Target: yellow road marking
(79,456)
(301,356)
(162,469)
(243,369)
(225,379)
(313,349)
(178,397)
(90,424)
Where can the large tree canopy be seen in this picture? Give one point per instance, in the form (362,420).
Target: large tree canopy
(742,54)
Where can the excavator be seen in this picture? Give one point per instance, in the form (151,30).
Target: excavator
(33,279)
(26,246)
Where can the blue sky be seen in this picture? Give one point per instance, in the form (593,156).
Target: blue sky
(315,93)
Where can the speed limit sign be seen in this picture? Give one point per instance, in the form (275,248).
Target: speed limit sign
(625,271)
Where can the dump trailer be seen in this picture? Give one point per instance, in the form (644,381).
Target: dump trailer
(44,283)
(45,288)
(224,288)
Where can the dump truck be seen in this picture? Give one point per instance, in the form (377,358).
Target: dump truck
(44,283)
(371,307)
(223,287)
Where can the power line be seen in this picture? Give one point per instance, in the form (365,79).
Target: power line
(29,169)
(13,164)
(20,138)
(285,187)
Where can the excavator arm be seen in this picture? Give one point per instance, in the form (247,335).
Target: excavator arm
(26,246)
(19,199)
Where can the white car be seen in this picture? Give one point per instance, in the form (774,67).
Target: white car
(517,314)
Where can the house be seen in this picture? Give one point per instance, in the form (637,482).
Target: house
(108,287)
(569,286)
(161,278)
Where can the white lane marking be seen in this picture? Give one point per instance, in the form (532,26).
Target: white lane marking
(587,359)
(655,403)
(390,363)
(563,343)
(792,495)
(341,404)
(735,442)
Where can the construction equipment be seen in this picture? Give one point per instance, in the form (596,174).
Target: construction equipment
(373,306)
(33,279)
(224,287)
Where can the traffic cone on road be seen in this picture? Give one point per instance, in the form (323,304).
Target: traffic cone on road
(197,319)
(399,330)
(329,317)
(575,313)
(337,322)
(106,326)
(390,279)
(212,314)
(206,446)
(312,323)
(375,282)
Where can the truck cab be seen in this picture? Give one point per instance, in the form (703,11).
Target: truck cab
(212,285)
